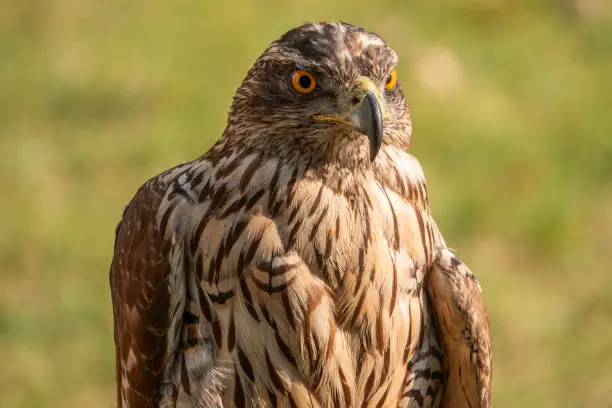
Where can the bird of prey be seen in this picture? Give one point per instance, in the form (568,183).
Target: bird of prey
(297,263)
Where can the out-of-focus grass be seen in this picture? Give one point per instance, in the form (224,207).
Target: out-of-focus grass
(512,122)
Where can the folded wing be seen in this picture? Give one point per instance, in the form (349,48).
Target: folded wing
(463,329)
(142,295)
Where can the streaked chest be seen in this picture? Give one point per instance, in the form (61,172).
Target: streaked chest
(368,245)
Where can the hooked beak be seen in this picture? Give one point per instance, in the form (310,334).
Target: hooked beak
(366,115)
(367,118)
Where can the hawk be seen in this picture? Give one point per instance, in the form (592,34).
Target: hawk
(297,263)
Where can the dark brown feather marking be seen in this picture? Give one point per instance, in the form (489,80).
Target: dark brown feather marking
(415,394)
(284,348)
(337,232)
(366,195)
(233,237)
(423,373)
(199,266)
(206,311)
(276,208)
(239,399)
(393,288)
(416,194)
(291,185)
(317,201)
(422,196)
(386,362)
(372,274)
(248,173)
(274,289)
(218,263)
(189,317)
(246,365)
(359,308)
(205,192)
(219,198)
(178,189)
(368,229)
(231,333)
(293,234)
(360,355)
(252,311)
(317,224)
(252,249)
(361,267)
(421,223)
(185,376)
(368,386)
(430,236)
(216,328)
(400,182)
(293,214)
(163,225)
(248,300)
(195,177)
(211,271)
(380,333)
(254,199)
(272,398)
(240,266)
(437,375)
(279,270)
(267,317)
(234,207)
(221,297)
(228,168)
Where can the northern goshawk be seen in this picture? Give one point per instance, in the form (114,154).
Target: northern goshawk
(297,263)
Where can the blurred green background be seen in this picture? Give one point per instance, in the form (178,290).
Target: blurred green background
(512,112)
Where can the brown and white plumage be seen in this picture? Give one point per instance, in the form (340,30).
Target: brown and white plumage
(287,268)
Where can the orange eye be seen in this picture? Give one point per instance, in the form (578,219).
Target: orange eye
(303,81)
(391,80)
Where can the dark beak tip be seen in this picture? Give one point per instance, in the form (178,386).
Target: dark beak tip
(375,126)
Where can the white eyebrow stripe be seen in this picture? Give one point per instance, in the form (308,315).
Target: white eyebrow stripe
(368,40)
(344,55)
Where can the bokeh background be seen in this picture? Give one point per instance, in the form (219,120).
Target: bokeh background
(512,111)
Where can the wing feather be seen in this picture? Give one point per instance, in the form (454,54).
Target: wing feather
(464,330)
(140,294)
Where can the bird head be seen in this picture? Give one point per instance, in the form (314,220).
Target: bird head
(326,90)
